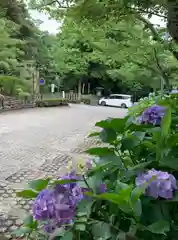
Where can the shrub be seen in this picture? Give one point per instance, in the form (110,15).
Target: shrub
(54,102)
(74,101)
(128,191)
(24,96)
(86,101)
(146,102)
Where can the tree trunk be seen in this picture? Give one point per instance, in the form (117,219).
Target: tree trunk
(83,88)
(88,88)
(79,89)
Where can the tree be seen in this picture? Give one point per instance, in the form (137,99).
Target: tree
(9,47)
(118,53)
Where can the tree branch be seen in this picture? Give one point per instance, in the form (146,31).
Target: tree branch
(53,2)
(160,69)
(149,12)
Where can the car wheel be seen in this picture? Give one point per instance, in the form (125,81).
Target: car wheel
(103,103)
(123,105)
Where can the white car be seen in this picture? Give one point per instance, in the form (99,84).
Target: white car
(117,100)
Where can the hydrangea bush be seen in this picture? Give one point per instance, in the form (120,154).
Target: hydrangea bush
(127,192)
(146,102)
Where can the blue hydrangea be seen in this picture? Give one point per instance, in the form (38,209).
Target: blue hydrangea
(152,115)
(160,184)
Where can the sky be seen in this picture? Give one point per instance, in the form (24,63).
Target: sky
(52,25)
(48,24)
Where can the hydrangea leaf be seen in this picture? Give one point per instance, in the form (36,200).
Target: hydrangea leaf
(100,151)
(101,230)
(108,135)
(39,184)
(22,231)
(160,227)
(166,122)
(27,194)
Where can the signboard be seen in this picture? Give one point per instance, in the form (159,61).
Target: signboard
(42,82)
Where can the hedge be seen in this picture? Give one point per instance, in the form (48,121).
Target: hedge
(52,102)
(83,100)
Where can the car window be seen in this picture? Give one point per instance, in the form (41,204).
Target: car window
(118,97)
(112,97)
(125,97)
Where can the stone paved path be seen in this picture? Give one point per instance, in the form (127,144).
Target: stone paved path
(36,143)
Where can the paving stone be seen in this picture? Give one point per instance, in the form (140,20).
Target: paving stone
(25,175)
(36,143)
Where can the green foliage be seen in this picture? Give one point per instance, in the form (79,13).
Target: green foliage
(9,84)
(9,47)
(146,102)
(124,210)
(53,102)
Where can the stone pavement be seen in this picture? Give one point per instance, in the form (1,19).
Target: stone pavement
(37,143)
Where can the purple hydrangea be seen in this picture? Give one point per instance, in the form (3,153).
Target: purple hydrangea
(152,115)
(57,206)
(102,188)
(54,206)
(89,164)
(74,188)
(160,184)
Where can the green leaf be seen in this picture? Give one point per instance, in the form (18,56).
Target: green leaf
(108,135)
(80,227)
(137,169)
(172,140)
(137,192)
(99,168)
(27,194)
(113,158)
(122,199)
(170,163)
(139,135)
(137,208)
(160,227)
(129,142)
(94,134)
(84,207)
(22,231)
(101,230)
(166,122)
(120,186)
(117,124)
(39,184)
(67,236)
(28,220)
(100,151)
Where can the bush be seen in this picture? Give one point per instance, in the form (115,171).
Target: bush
(128,191)
(86,101)
(146,102)
(52,102)
(74,101)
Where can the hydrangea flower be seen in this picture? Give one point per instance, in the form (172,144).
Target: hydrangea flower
(54,206)
(160,184)
(73,188)
(89,164)
(152,115)
(102,188)
(57,206)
